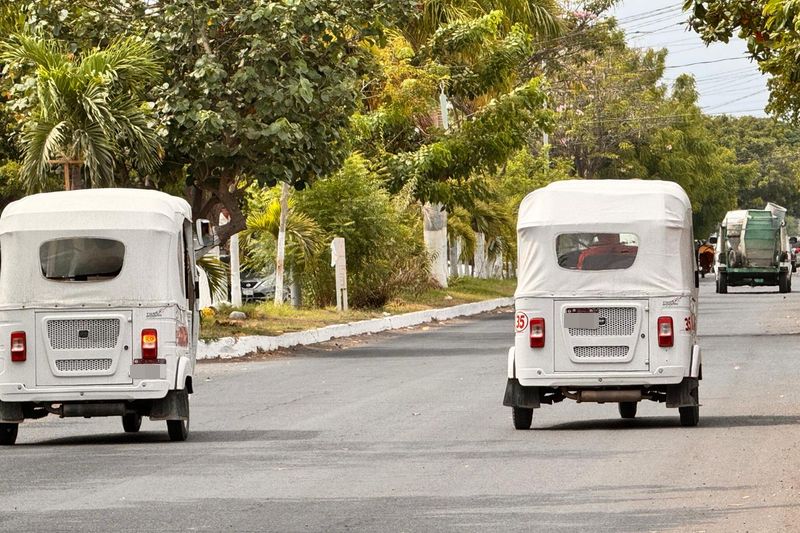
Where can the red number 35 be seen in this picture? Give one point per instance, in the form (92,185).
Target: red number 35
(520,322)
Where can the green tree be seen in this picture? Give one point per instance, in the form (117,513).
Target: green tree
(385,254)
(475,58)
(768,155)
(88,108)
(770,28)
(252,91)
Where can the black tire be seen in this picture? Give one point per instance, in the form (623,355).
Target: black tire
(8,433)
(783,282)
(628,409)
(131,422)
(522,417)
(178,430)
(723,283)
(690,416)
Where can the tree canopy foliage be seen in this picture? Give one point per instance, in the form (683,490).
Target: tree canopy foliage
(220,101)
(770,28)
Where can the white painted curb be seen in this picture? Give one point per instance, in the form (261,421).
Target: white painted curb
(231,347)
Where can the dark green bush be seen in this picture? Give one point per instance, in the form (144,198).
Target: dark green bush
(385,255)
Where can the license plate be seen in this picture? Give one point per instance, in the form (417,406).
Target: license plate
(582,318)
(148,371)
(247,292)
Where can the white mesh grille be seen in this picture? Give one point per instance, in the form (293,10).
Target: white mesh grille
(619,322)
(82,365)
(601,352)
(83,334)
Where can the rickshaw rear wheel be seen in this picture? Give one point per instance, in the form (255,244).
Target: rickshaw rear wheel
(628,409)
(131,422)
(178,430)
(690,416)
(8,433)
(522,417)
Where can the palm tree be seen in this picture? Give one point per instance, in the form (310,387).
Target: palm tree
(88,109)
(304,239)
(539,17)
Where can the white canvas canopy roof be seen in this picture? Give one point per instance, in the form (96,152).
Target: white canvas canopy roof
(657,212)
(148,223)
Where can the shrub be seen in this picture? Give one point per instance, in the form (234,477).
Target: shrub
(385,255)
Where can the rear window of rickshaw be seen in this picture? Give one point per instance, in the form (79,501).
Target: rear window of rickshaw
(81,259)
(596,251)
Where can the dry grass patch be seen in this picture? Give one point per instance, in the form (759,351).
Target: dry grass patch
(269,319)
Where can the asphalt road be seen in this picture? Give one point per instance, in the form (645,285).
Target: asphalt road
(406,432)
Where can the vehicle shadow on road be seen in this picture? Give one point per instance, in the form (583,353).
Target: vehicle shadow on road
(194,436)
(667,422)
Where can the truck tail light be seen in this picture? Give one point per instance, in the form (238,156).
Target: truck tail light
(666,335)
(149,344)
(19,346)
(537,332)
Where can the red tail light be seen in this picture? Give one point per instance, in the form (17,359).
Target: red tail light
(666,336)
(537,332)
(149,344)
(19,346)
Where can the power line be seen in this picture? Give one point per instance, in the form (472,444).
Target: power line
(760,91)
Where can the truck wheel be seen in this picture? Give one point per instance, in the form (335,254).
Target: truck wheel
(723,283)
(522,417)
(783,282)
(131,422)
(8,433)
(690,416)
(628,409)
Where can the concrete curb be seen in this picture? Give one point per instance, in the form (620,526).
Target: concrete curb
(232,347)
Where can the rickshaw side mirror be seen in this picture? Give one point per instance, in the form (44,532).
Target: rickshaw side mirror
(712,240)
(203,232)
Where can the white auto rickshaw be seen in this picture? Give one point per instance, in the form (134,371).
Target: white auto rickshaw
(606,299)
(98,308)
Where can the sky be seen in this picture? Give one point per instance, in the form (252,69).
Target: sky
(727,81)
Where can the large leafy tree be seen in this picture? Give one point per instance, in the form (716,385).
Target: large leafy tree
(475,59)
(770,28)
(618,120)
(252,91)
(768,159)
(88,109)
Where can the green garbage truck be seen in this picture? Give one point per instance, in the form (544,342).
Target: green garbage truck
(752,249)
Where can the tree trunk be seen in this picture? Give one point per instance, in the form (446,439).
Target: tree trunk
(236,283)
(455,253)
(279,262)
(227,195)
(481,270)
(297,296)
(435,226)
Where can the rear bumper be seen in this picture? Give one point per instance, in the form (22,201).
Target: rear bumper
(665,375)
(143,390)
